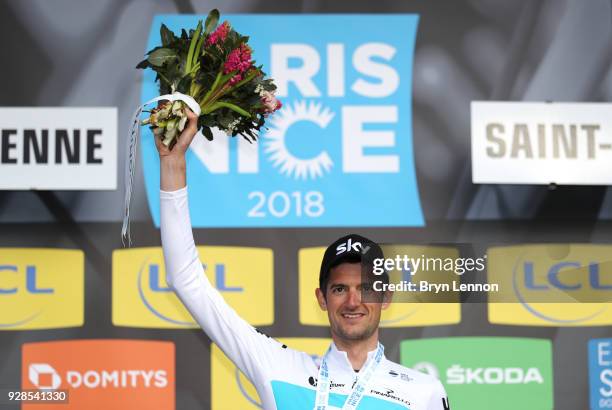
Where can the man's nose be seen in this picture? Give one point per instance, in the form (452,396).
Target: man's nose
(354,298)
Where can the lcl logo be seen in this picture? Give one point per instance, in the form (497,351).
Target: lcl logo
(29,278)
(156,285)
(566,275)
(41,288)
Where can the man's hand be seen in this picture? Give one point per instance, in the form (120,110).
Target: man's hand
(172,161)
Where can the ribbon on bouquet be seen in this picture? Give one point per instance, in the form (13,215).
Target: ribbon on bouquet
(132,146)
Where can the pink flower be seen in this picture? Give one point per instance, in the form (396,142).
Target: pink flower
(239,59)
(219,35)
(235,79)
(270,102)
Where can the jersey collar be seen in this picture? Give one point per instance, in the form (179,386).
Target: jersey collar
(338,359)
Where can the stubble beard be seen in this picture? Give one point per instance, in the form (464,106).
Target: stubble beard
(354,335)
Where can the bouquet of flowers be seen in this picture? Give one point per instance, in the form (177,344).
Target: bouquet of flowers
(211,71)
(213,65)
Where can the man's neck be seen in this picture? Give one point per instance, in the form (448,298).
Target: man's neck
(357,350)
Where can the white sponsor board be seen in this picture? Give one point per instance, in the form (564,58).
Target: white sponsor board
(541,143)
(58,148)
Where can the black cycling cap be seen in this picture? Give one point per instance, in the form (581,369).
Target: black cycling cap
(350,248)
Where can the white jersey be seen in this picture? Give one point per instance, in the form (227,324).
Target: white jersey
(285,379)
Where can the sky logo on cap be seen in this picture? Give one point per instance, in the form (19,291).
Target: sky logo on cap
(600,374)
(349,246)
(341,144)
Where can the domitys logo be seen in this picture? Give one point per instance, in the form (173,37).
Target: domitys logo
(101,374)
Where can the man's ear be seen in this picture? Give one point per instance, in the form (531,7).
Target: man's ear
(388,296)
(321,299)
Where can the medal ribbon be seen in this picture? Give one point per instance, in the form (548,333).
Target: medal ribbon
(132,146)
(322,398)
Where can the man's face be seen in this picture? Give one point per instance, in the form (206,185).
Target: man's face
(350,319)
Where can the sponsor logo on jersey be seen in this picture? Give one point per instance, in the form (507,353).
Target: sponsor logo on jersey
(600,374)
(142,297)
(397,314)
(41,288)
(551,285)
(486,372)
(230,389)
(99,374)
(403,376)
(313,381)
(341,144)
(390,394)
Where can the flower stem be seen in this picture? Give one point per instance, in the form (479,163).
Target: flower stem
(217,79)
(233,107)
(163,77)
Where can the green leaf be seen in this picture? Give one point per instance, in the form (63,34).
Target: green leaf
(166,35)
(250,134)
(143,64)
(211,21)
(207,133)
(197,52)
(162,56)
(173,73)
(192,45)
(247,138)
(184,84)
(154,49)
(212,88)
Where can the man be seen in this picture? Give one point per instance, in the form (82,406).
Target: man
(354,374)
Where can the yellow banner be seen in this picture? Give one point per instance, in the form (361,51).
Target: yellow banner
(142,298)
(41,288)
(231,390)
(398,314)
(551,285)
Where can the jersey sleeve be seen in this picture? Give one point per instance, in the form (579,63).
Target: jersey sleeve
(250,350)
(439,399)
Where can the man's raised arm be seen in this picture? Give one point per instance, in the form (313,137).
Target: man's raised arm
(248,349)
(172,161)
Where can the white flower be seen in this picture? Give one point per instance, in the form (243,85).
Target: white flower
(259,90)
(231,127)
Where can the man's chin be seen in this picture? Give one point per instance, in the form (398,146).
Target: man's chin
(353,334)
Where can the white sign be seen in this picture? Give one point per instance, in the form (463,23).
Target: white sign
(58,148)
(541,143)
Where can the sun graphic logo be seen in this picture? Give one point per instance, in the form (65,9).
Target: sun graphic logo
(341,144)
(275,145)
(44,376)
